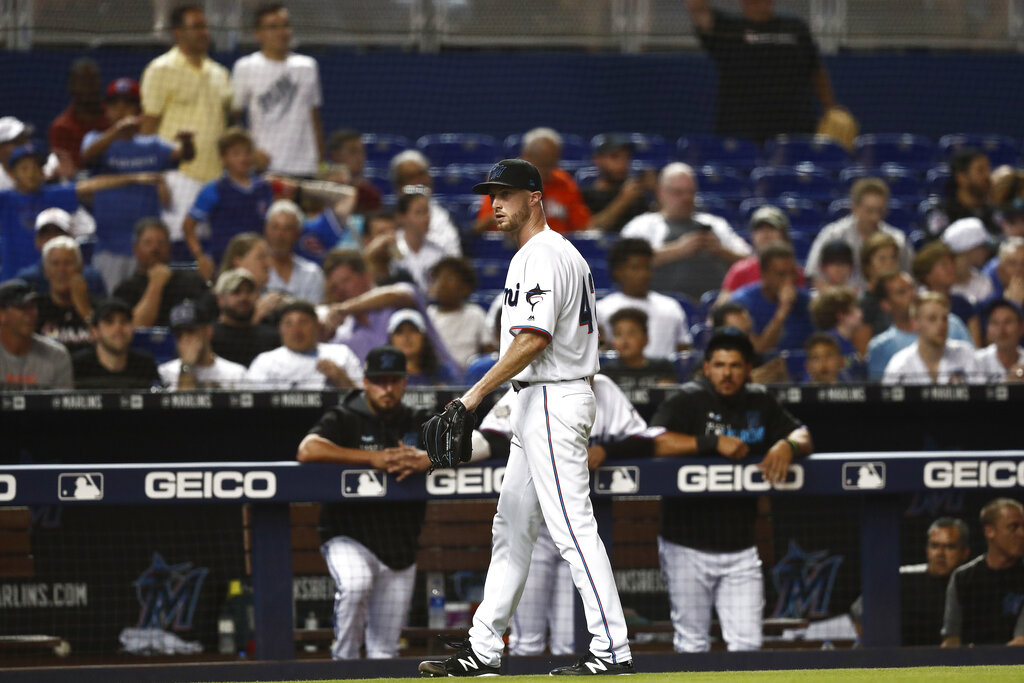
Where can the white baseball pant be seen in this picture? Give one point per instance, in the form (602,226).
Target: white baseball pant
(547,479)
(372,600)
(697,581)
(546,605)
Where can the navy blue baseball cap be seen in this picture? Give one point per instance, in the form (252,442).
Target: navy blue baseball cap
(33,150)
(514,173)
(385,361)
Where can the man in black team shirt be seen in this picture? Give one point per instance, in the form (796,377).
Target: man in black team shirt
(235,336)
(706,545)
(370,547)
(769,70)
(923,586)
(112,363)
(985,598)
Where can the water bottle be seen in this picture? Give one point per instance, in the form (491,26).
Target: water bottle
(435,600)
(225,631)
(310,625)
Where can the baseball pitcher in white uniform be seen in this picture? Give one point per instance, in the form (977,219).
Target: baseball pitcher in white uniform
(549,352)
(547,606)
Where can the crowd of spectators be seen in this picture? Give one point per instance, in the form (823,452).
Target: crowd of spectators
(219,188)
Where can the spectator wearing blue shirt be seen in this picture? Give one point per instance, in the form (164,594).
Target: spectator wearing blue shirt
(50,223)
(934,268)
(895,292)
(234,203)
(330,229)
(1007,273)
(289,272)
(779,309)
(20,206)
(120,150)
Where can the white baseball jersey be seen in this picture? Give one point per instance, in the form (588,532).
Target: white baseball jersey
(282,368)
(989,367)
(280,97)
(956,366)
(667,326)
(549,289)
(222,374)
(616,417)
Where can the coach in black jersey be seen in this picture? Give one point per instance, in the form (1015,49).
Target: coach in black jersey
(370,547)
(706,545)
(985,597)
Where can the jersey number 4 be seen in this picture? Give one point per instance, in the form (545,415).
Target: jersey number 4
(586,315)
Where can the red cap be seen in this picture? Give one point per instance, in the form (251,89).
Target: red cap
(123,88)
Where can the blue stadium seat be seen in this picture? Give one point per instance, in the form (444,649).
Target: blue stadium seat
(804,180)
(490,245)
(903,182)
(490,273)
(725,182)
(607,357)
(479,366)
(462,208)
(821,150)
(709,202)
(380,148)
(701,333)
(901,214)
(907,150)
(801,244)
(456,179)
(999,148)
(602,276)
(700,150)
(804,215)
(795,359)
(586,175)
(592,244)
(157,341)
(652,149)
(690,307)
(686,363)
(707,302)
(459,148)
(485,297)
(937,180)
(575,149)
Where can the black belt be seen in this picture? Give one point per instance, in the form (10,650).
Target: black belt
(518,386)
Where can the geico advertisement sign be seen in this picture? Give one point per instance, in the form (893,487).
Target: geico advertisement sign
(723,478)
(8,487)
(224,484)
(974,474)
(465,480)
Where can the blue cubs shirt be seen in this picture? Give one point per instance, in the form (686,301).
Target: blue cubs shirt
(116,211)
(18,213)
(795,330)
(321,234)
(230,209)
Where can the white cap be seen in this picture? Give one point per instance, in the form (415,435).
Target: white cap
(407,315)
(10,128)
(54,216)
(965,234)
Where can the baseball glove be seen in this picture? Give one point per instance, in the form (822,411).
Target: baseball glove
(448,436)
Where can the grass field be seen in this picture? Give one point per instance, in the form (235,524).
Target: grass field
(931,674)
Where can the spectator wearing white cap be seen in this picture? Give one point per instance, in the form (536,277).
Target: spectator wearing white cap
(14,133)
(407,331)
(289,272)
(300,362)
(50,223)
(971,247)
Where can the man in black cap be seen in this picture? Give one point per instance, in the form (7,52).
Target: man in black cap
(197,366)
(112,363)
(28,360)
(706,545)
(549,353)
(614,197)
(370,547)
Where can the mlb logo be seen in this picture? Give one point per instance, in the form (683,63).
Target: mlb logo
(615,480)
(364,484)
(863,476)
(80,486)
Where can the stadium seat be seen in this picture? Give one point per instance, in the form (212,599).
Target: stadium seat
(795,359)
(801,244)
(490,245)
(707,302)
(901,214)
(586,175)
(937,180)
(804,215)
(592,244)
(700,150)
(485,297)
(999,148)
(820,150)
(907,150)
(157,341)
(479,366)
(380,148)
(462,208)
(459,148)
(690,307)
(456,179)
(725,182)
(709,202)
(490,273)
(903,182)
(686,363)
(652,149)
(805,180)
(701,333)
